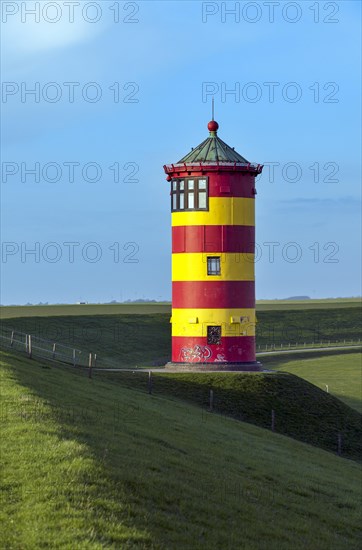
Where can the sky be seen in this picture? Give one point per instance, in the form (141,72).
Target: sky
(98,96)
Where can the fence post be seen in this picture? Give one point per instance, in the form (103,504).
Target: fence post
(26,343)
(90,366)
(150,382)
(211,401)
(54,351)
(273,420)
(12,339)
(94,360)
(339,444)
(29,346)
(73,357)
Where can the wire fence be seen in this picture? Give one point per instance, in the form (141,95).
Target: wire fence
(261,348)
(338,439)
(33,346)
(40,348)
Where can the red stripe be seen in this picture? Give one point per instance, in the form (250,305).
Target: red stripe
(225,184)
(213,238)
(232,349)
(236,184)
(213,294)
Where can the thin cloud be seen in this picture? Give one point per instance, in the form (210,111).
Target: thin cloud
(23,42)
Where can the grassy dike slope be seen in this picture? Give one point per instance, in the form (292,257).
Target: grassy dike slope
(340,372)
(88,464)
(128,339)
(302,410)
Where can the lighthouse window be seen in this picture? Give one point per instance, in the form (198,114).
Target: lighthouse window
(213,265)
(202,199)
(214,335)
(191,200)
(189,194)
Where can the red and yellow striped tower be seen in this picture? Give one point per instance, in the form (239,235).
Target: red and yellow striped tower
(213,244)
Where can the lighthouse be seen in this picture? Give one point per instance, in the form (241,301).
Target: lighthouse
(212,192)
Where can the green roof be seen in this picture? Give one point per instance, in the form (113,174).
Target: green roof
(213,149)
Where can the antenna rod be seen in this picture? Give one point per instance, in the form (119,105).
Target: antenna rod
(212,100)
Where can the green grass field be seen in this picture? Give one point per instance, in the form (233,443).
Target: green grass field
(309,325)
(8,312)
(341,373)
(334,303)
(301,410)
(92,464)
(127,340)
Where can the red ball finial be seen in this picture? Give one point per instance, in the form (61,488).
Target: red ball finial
(213,126)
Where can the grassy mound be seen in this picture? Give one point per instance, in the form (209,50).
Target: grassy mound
(301,410)
(91,464)
(341,373)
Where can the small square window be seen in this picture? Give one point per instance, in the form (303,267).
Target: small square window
(213,265)
(214,335)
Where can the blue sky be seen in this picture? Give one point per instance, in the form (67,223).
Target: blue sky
(163,57)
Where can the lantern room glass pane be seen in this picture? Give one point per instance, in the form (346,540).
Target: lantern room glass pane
(191,200)
(174,185)
(182,185)
(174,202)
(202,184)
(191,184)
(182,201)
(202,200)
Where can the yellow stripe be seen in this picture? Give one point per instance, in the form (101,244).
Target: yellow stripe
(235,266)
(183,321)
(222,211)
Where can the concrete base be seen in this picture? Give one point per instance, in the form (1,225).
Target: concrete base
(256,366)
